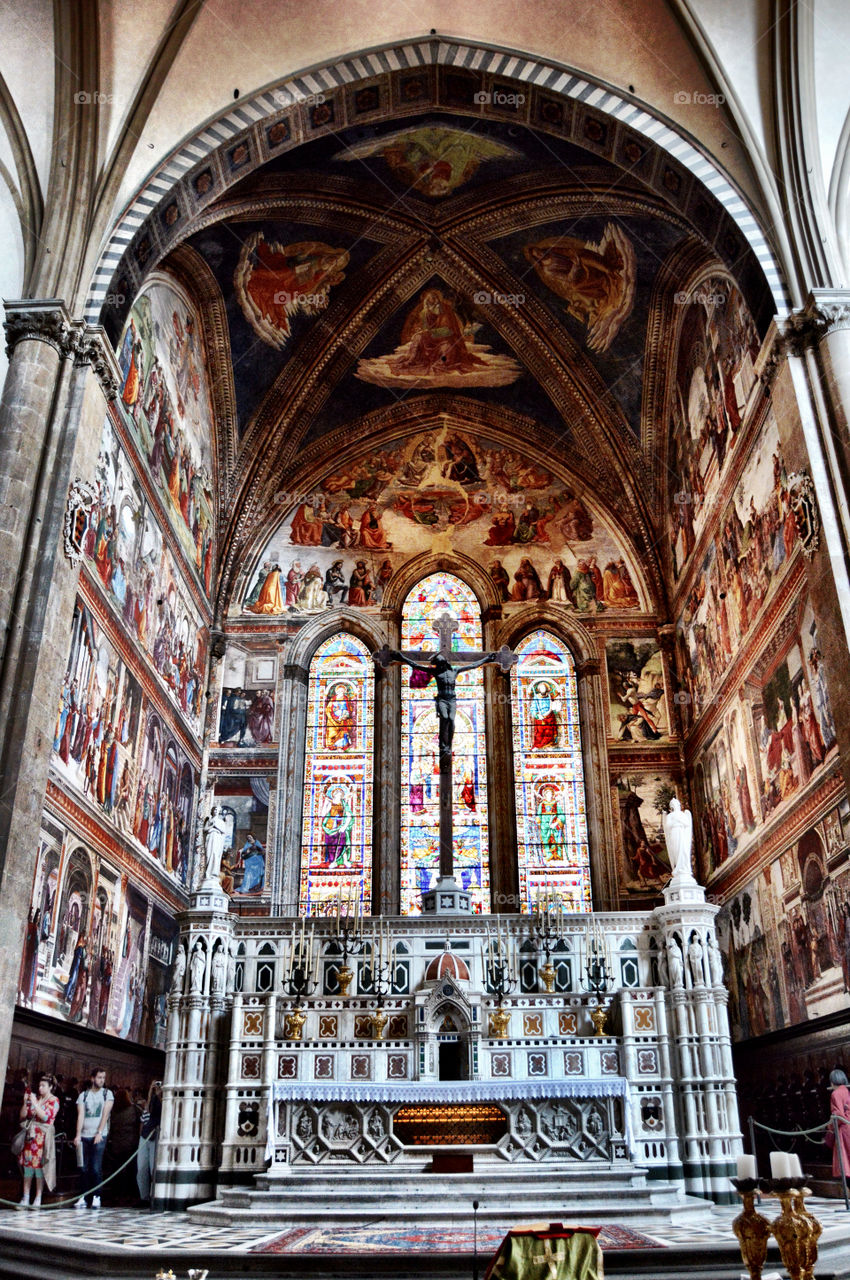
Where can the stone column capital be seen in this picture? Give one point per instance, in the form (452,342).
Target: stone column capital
(825,311)
(47,320)
(38,320)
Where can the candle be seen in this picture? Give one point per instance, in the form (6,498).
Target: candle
(316,968)
(779,1165)
(746,1167)
(795,1169)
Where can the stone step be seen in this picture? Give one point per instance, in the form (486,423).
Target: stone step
(345,1197)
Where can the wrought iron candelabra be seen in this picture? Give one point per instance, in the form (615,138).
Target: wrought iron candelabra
(381,969)
(546,933)
(598,977)
(348,940)
(501,979)
(301,981)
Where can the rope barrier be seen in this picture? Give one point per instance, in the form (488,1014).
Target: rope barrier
(61,1204)
(795,1133)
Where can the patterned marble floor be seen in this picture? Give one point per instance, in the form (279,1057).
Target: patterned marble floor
(136,1230)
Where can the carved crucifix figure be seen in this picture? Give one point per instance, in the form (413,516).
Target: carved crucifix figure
(443,667)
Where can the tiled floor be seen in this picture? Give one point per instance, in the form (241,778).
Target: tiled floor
(136,1230)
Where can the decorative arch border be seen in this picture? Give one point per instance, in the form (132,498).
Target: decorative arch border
(243,138)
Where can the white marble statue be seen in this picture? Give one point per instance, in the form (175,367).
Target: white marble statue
(231,966)
(179,971)
(218,970)
(675,963)
(715,962)
(197,969)
(663,968)
(679,835)
(215,834)
(695,954)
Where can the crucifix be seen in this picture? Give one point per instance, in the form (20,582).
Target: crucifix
(443,667)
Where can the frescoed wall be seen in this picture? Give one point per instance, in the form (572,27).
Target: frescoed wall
(145,587)
(787,934)
(165,402)
(247,706)
(538,539)
(113,747)
(640,799)
(637,701)
(772,744)
(98,951)
(755,541)
(246,803)
(718,344)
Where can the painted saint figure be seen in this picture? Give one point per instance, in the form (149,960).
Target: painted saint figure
(340,718)
(337,824)
(544,718)
(552,824)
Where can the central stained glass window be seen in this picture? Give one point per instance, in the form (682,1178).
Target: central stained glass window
(420,762)
(336,831)
(552,850)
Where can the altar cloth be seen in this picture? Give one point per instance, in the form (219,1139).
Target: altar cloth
(436,1091)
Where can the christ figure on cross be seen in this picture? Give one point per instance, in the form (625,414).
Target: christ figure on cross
(443,667)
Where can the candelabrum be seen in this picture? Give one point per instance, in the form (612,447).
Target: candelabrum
(796,1230)
(501,979)
(597,978)
(380,968)
(348,941)
(546,934)
(298,983)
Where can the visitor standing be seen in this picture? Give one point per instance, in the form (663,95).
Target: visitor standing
(93,1109)
(38,1156)
(146,1158)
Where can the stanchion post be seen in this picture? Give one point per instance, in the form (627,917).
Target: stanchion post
(836,1126)
(752,1127)
(475,1240)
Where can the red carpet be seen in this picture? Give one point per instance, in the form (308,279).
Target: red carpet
(391,1240)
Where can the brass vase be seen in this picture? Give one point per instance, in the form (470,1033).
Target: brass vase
(294,1023)
(343,977)
(597,1017)
(379,1021)
(547,973)
(753,1232)
(499,1021)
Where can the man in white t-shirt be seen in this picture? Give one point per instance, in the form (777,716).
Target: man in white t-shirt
(93,1107)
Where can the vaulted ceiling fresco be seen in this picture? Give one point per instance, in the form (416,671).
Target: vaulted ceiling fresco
(522,270)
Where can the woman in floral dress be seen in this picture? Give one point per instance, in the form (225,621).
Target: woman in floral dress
(38,1157)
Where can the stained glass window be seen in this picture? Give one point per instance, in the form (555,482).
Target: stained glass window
(552,847)
(336,832)
(420,764)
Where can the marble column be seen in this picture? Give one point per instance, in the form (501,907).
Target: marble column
(61,376)
(811,398)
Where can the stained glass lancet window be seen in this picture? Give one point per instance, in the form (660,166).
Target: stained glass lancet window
(336,832)
(420,765)
(552,850)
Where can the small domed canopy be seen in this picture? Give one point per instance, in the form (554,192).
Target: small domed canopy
(447,966)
